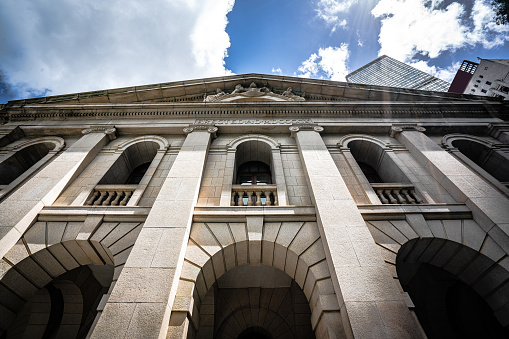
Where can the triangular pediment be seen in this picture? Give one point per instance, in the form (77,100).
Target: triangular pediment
(254,88)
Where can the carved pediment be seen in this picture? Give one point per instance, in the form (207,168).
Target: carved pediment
(252,93)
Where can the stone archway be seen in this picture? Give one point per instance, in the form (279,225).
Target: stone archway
(49,256)
(292,248)
(462,294)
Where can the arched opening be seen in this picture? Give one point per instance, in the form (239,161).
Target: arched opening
(382,172)
(457,299)
(22,160)
(131,165)
(256,302)
(488,159)
(65,307)
(254,174)
(228,278)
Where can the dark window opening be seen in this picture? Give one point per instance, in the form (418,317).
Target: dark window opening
(488,82)
(137,174)
(484,91)
(370,173)
(254,173)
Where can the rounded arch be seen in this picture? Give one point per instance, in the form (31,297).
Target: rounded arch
(345,140)
(449,139)
(55,144)
(303,263)
(25,158)
(233,144)
(482,153)
(373,152)
(162,142)
(52,276)
(445,278)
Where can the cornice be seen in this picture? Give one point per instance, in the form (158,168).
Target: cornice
(368,109)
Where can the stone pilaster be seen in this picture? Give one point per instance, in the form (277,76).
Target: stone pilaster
(371,304)
(142,310)
(19,211)
(490,208)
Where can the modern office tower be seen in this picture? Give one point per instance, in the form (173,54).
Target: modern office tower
(386,71)
(491,78)
(463,76)
(254,206)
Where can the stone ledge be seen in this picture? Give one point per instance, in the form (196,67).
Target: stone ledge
(434,211)
(79,213)
(239,213)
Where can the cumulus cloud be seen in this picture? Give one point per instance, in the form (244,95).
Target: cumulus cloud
(411,27)
(332,61)
(277,71)
(67,46)
(331,10)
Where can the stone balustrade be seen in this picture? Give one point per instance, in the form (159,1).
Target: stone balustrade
(111,195)
(254,195)
(396,193)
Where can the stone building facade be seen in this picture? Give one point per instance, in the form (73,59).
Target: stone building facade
(254,206)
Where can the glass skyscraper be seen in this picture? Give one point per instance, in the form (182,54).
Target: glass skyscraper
(386,71)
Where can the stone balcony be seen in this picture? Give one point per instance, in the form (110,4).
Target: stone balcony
(396,193)
(254,195)
(111,195)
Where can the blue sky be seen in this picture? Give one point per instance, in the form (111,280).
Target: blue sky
(65,46)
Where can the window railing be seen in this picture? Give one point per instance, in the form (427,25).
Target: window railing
(396,193)
(111,195)
(254,195)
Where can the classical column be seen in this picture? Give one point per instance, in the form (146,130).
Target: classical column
(371,304)
(490,208)
(141,301)
(45,187)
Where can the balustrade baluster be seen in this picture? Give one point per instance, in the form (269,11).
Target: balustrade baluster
(101,198)
(381,196)
(417,199)
(107,202)
(117,198)
(268,202)
(388,193)
(275,198)
(258,198)
(232,203)
(91,200)
(407,196)
(126,198)
(400,199)
(250,198)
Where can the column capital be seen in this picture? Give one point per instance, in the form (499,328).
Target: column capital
(110,131)
(397,128)
(197,127)
(305,127)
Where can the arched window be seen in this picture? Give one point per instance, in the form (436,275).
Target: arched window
(254,173)
(381,170)
(137,174)
(22,160)
(369,172)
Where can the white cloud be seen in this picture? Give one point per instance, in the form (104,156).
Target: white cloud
(67,46)
(332,61)
(309,67)
(446,74)
(331,10)
(411,27)
(277,71)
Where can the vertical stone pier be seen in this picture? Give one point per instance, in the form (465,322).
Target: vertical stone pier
(371,304)
(142,310)
(19,211)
